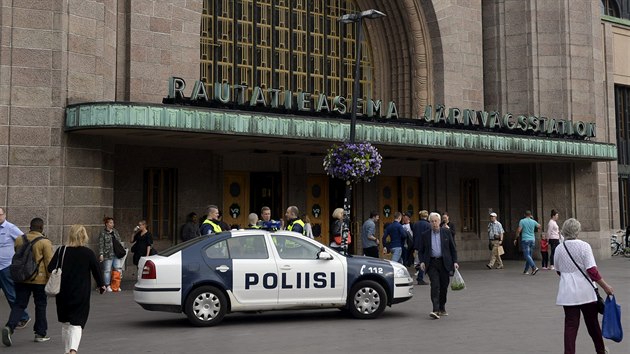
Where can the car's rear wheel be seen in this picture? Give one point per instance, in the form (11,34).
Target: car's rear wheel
(367,299)
(206,306)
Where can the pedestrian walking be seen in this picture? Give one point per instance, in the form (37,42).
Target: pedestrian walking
(308,227)
(397,237)
(495,236)
(574,260)
(42,254)
(78,265)
(553,235)
(106,253)
(418,229)
(448,224)
(439,259)
(369,240)
(8,234)
(527,231)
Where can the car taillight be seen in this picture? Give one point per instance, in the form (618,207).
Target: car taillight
(148,271)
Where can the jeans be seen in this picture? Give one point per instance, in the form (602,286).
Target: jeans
(107,269)
(7,285)
(22,295)
(397,254)
(527,247)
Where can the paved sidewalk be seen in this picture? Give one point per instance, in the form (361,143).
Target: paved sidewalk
(500,311)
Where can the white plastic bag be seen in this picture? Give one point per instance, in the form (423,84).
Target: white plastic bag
(457,283)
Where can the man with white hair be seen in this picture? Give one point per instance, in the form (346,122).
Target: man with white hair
(438,258)
(495,237)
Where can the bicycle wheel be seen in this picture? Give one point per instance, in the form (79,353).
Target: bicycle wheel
(615,248)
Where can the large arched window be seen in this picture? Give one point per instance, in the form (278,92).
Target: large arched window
(609,8)
(295,45)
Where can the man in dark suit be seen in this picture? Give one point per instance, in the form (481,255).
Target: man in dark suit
(438,258)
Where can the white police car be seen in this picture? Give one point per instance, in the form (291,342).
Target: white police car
(256,270)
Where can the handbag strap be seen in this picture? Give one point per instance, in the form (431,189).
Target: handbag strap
(62,257)
(578,267)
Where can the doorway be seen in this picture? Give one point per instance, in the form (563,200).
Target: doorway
(266,190)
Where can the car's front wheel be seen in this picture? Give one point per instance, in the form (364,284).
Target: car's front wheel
(206,306)
(367,299)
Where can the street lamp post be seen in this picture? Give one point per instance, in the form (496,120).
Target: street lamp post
(358,19)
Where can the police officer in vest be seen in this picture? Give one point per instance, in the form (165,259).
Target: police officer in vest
(294,223)
(253,221)
(211,225)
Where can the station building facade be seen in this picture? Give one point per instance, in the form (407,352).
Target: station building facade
(150,109)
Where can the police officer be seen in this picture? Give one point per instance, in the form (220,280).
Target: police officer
(253,221)
(294,223)
(211,225)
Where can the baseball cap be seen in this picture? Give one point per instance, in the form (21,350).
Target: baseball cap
(493,214)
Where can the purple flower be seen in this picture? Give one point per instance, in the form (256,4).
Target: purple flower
(353,162)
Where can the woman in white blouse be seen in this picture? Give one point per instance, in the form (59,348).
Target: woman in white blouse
(575,291)
(553,234)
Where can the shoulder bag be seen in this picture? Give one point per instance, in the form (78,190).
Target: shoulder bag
(53,286)
(119,250)
(600,300)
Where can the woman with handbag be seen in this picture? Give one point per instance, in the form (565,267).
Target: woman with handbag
(107,255)
(142,242)
(576,292)
(77,263)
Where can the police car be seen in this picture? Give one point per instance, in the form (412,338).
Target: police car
(256,270)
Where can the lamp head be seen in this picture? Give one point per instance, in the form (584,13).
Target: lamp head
(372,14)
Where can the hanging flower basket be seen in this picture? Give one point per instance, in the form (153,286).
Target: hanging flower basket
(353,162)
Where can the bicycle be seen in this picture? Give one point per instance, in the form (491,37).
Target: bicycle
(619,248)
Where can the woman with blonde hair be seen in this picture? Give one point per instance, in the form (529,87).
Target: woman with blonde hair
(73,301)
(337,229)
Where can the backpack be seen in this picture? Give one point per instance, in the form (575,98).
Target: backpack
(23,265)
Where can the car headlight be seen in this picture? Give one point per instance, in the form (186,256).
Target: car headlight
(401,273)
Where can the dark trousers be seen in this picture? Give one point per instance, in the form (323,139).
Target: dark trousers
(371,251)
(22,296)
(553,243)
(438,275)
(572,323)
(545,258)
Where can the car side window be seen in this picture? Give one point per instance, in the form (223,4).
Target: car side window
(218,250)
(294,247)
(248,247)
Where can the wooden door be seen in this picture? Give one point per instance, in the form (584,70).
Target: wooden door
(317,206)
(410,190)
(236,198)
(388,203)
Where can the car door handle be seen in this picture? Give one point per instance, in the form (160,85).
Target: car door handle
(223,268)
(286,267)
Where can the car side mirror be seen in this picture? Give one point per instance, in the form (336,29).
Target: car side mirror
(322,254)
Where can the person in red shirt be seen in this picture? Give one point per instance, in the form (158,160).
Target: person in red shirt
(544,251)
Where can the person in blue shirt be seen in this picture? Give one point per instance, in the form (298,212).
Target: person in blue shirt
(527,231)
(397,236)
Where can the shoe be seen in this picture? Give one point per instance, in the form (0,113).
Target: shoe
(488,266)
(6,336)
(22,324)
(422,282)
(525,273)
(443,313)
(535,271)
(434,315)
(552,268)
(119,289)
(109,289)
(40,338)
(544,268)
(500,267)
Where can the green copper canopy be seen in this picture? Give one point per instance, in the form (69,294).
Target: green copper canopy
(244,123)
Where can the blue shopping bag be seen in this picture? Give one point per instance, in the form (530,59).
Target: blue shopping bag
(611,323)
